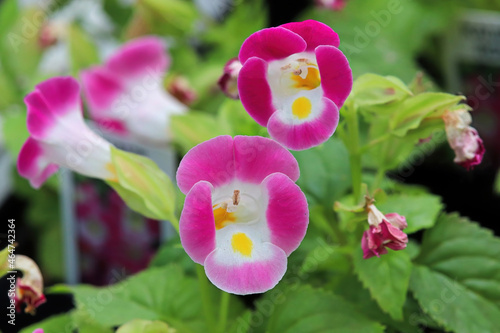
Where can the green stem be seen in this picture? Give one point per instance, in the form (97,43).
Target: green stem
(374,142)
(205,298)
(224,309)
(354,151)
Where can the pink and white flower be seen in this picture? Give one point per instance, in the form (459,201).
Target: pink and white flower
(293,81)
(463,139)
(243,213)
(385,231)
(127,96)
(29,288)
(228,82)
(59,135)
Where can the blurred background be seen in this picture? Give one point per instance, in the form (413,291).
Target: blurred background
(447,45)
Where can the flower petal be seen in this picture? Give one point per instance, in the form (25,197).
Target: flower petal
(314,33)
(33,165)
(140,57)
(212,161)
(227,271)
(308,133)
(287,213)
(196,226)
(254,90)
(257,157)
(51,99)
(336,75)
(101,89)
(271,44)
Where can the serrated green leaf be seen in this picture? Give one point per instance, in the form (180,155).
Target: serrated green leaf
(421,210)
(156,294)
(142,185)
(387,278)
(324,171)
(306,310)
(415,109)
(371,89)
(457,280)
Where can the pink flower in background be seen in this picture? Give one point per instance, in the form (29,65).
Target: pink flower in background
(385,231)
(463,139)
(127,96)
(228,82)
(331,4)
(29,288)
(59,135)
(243,213)
(293,81)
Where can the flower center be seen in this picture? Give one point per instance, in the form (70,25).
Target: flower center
(224,212)
(242,244)
(306,77)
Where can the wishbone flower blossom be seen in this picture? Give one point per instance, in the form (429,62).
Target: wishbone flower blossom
(385,231)
(29,288)
(463,139)
(243,213)
(59,135)
(293,81)
(126,95)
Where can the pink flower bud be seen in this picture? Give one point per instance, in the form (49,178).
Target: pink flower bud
(180,88)
(228,82)
(463,139)
(331,4)
(385,231)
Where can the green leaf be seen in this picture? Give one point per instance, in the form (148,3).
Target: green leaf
(194,128)
(306,310)
(8,15)
(82,50)
(172,252)
(14,131)
(324,171)
(420,210)
(238,120)
(145,326)
(415,109)
(387,278)
(54,324)
(371,89)
(457,280)
(143,186)
(169,17)
(156,294)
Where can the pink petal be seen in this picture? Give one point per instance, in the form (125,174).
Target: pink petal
(314,33)
(307,134)
(287,213)
(139,57)
(336,75)
(257,157)
(212,161)
(101,89)
(397,220)
(51,99)
(197,224)
(254,90)
(33,165)
(367,251)
(271,44)
(226,271)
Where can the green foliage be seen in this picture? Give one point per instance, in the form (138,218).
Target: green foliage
(82,50)
(54,324)
(420,210)
(143,186)
(387,278)
(457,280)
(324,172)
(305,310)
(145,326)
